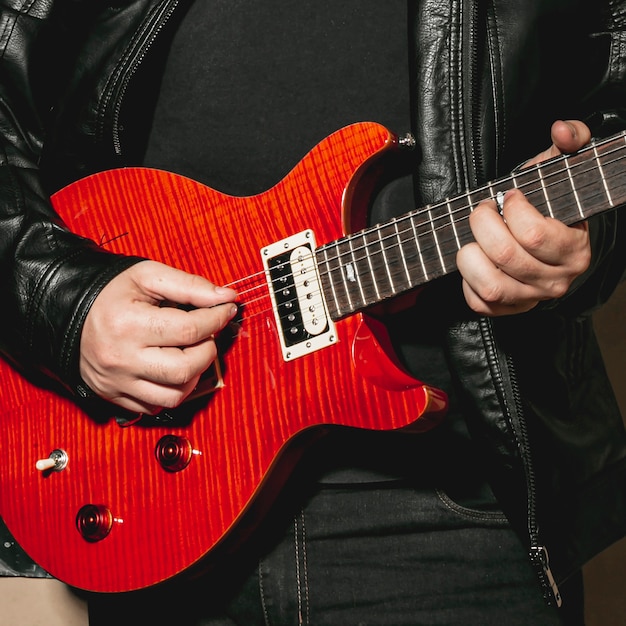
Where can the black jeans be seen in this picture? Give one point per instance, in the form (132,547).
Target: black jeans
(389,553)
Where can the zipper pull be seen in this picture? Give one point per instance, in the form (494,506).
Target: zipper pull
(539,557)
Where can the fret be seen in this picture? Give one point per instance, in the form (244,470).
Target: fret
(405,266)
(434,229)
(448,224)
(343,275)
(418,248)
(386,262)
(611,155)
(347,273)
(352,273)
(470,201)
(458,211)
(328,267)
(457,241)
(533,183)
(410,261)
(596,155)
(573,185)
(498,196)
(488,192)
(588,181)
(534,188)
(497,190)
(397,260)
(544,191)
(374,258)
(424,240)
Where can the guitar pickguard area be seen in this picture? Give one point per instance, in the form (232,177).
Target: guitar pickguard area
(293,281)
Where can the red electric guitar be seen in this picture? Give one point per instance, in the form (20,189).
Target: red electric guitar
(109,505)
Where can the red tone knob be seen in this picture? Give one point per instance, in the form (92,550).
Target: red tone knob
(173,452)
(94,522)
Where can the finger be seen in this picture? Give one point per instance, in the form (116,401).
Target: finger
(489,282)
(542,238)
(175,367)
(567,136)
(495,239)
(146,396)
(494,305)
(170,326)
(497,268)
(166,376)
(527,239)
(151,398)
(570,135)
(546,240)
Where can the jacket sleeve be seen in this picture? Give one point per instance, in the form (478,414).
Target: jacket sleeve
(48,276)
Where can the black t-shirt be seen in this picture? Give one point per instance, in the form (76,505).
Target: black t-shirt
(247,91)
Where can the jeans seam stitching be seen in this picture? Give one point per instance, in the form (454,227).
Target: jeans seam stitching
(266,617)
(301,572)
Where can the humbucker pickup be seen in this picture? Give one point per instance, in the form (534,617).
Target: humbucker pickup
(297,300)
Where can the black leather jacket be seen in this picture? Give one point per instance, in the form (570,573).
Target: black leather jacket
(76,78)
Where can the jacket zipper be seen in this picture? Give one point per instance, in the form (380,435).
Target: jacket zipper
(537,552)
(476,96)
(150,30)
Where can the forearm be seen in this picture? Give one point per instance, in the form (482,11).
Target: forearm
(48,276)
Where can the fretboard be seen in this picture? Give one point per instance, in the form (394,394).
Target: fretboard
(388,259)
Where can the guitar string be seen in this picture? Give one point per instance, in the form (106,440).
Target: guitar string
(263,285)
(447,216)
(485,188)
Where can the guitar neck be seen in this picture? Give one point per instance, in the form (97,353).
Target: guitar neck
(388,259)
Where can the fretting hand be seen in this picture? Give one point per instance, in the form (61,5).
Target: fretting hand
(521,258)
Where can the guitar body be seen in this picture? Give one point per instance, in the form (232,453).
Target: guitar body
(151,521)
